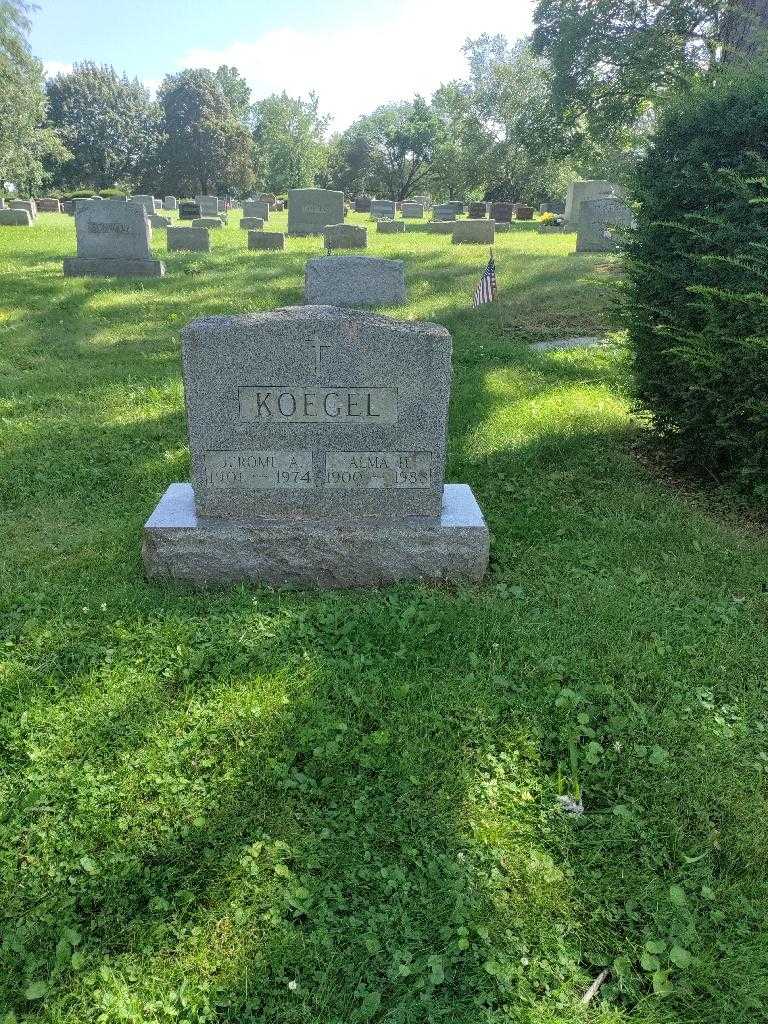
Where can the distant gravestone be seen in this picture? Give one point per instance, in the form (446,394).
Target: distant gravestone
(310,209)
(598,223)
(147,202)
(502,212)
(266,240)
(390,227)
(412,210)
(580,191)
(556,208)
(24,204)
(256,208)
(157,221)
(209,205)
(523,212)
(478,210)
(354,281)
(15,218)
(170,203)
(443,212)
(48,205)
(477,231)
(383,208)
(208,222)
(251,223)
(189,211)
(456,205)
(112,241)
(345,236)
(363,204)
(317,438)
(188,239)
(158,204)
(67,206)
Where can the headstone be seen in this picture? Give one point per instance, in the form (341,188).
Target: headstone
(15,218)
(208,222)
(383,208)
(598,221)
(188,239)
(68,206)
(48,205)
(390,227)
(24,204)
(317,439)
(157,221)
(256,208)
(310,209)
(478,210)
(523,212)
(443,212)
(170,203)
(354,281)
(579,191)
(266,240)
(209,205)
(158,204)
(112,241)
(189,211)
(502,212)
(345,236)
(441,227)
(478,231)
(456,205)
(251,223)
(363,204)
(147,202)
(412,210)
(556,208)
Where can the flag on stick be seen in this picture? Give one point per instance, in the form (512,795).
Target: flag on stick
(486,290)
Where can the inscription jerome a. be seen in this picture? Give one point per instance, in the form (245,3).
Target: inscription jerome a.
(267,404)
(252,470)
(378,469)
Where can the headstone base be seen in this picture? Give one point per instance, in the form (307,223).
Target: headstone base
(177,545)
(92,266)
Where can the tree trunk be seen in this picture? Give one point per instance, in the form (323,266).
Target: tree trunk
(744,34)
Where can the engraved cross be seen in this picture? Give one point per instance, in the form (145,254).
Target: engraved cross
(319,348)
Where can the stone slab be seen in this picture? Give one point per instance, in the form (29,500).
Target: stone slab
(101,266)
(316,412)
(581,191)
(523,212)
(345,236)
(363,204)
(474,231)
(444,212)
(478,210)
(383,208)
(266,240)
(112,229)
(16,218)
(24,204)
(160,222)
(251,223)
(598,221)
(411,210)
(208,222)
(188,239)
(310,209)
(170,203)
(390,227)
(147,202)
(189,211)
(256,208)
(48,205)
(179,545)
(354,281)
(502,212)
(209,205)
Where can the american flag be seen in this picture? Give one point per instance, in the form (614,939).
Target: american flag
(486,290)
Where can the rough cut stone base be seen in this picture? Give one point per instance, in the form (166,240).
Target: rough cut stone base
(177,545)
(85,266)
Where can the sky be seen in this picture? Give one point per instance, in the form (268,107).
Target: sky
(356,54)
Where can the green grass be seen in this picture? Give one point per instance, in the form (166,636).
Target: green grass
(242,806)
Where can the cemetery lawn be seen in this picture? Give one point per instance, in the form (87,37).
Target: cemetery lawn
(244,806)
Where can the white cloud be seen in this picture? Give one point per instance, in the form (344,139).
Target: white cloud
(51,68)
(357,68)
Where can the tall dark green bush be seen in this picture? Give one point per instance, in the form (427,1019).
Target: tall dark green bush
(697,310)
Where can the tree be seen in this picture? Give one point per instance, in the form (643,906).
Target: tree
(24,143)
(745,28)
(392,148)
(237,91)
(108,123)
(289,135)
(205,147)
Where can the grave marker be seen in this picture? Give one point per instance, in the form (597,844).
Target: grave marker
(354,281)
(310,209)
(112,241)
